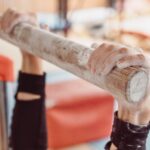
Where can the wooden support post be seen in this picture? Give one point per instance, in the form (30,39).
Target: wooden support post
(127,84)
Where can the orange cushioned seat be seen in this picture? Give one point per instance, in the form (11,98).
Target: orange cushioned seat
(6,69)
(77,112)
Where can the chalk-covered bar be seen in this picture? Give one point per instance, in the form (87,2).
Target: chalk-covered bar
(127,84)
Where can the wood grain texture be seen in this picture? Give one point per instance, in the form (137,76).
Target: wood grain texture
(127,84)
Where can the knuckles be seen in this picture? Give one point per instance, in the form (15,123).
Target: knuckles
(113,50)
(11,16)
(123,50)
(141,56)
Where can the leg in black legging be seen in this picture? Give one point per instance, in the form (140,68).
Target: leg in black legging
(29,123)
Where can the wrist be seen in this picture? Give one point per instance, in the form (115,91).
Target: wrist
(31,64)
(132,116)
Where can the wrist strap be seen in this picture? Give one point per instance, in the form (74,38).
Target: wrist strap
(128,136)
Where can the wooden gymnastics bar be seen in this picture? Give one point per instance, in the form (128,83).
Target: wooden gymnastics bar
(127,84)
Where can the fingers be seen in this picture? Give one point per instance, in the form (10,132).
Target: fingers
(10,21)
(11,18)
(110,55)
(4,19)
(99,64)
(19,18)
(95,57)
(112,59)
(131,60)
(104,58)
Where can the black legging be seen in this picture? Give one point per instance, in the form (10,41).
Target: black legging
(29,122)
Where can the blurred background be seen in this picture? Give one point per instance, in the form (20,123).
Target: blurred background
(79,115)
